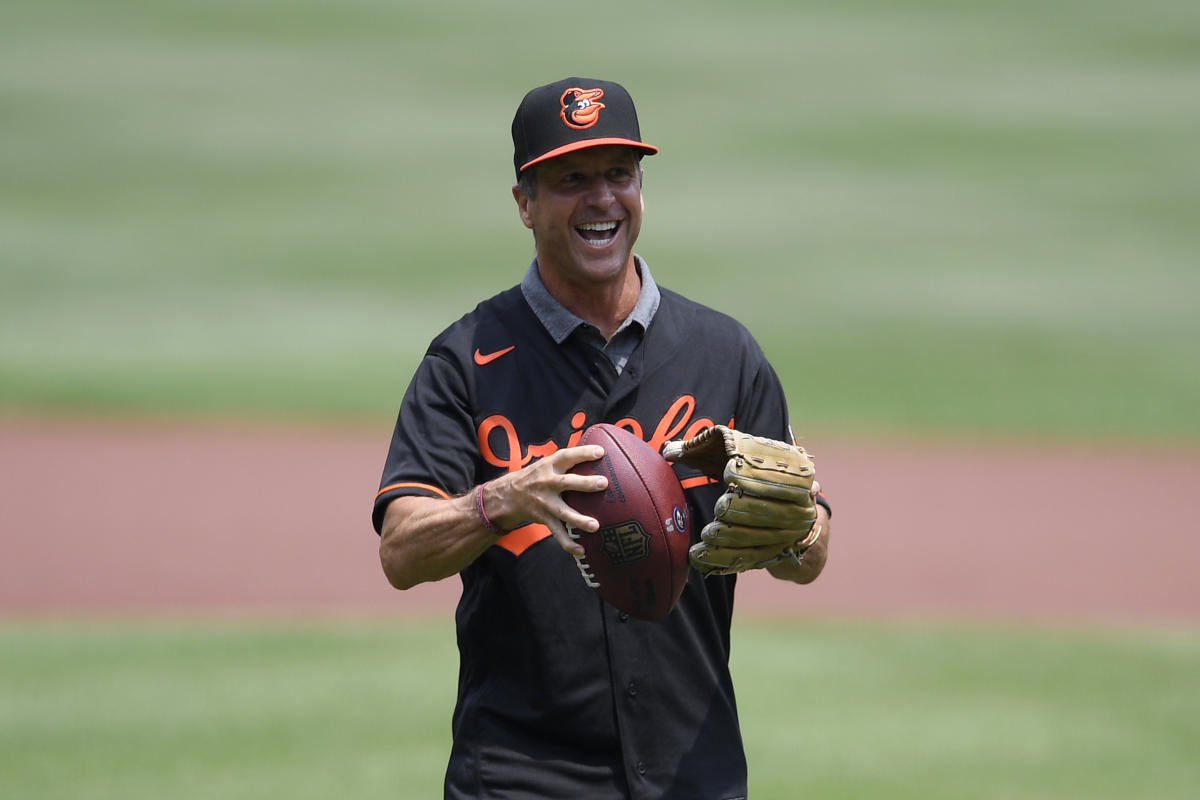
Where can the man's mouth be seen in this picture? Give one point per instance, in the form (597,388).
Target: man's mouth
(598,234)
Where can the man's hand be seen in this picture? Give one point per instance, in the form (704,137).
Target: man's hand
(534,494)
(429,538)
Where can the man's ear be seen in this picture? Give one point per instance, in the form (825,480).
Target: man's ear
(522,205)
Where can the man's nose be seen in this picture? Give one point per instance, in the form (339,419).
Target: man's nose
(599,192)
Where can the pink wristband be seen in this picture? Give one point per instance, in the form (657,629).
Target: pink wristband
(483,517)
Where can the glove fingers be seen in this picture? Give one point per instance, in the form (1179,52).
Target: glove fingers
(760,512)
(710,560)
(768,483)
(721,534)
(770,468)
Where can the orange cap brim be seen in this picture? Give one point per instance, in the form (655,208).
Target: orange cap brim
(647,149)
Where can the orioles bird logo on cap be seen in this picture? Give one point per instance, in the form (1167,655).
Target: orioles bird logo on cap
(581,107)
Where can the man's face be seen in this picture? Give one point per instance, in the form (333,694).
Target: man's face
(585,214)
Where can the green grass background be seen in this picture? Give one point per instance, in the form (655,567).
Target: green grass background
(361,710)
(939,219)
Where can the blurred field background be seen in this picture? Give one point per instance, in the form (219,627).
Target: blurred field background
(942,220)
(978,216)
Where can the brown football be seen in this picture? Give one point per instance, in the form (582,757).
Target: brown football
(638,559)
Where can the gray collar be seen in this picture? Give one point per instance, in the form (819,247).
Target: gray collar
(561,323)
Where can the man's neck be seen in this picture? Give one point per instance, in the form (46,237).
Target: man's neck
(605,305)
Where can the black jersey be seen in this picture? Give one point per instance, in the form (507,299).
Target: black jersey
(559,694)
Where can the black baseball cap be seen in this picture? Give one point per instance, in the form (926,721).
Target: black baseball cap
(572,114)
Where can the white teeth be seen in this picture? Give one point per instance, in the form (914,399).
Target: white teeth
(598,226)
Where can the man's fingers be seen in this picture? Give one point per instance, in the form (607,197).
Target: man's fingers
(568,525)
(567,538)
(570,476)
(586,479)
(572,518)
(584,483)
(568,457)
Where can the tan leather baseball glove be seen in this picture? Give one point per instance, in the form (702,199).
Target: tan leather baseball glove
(767,512)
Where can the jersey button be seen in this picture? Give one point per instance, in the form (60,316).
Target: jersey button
(623,617)
(631,689)
(641,767)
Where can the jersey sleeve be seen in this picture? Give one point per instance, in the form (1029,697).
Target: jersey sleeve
(433,448)
(765,411)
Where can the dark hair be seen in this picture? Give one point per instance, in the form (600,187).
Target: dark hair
(527,180)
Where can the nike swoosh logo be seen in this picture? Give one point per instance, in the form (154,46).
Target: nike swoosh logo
(483,359)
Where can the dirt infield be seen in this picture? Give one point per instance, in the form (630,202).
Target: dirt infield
(124,519)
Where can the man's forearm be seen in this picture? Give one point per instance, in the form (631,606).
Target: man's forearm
(426,539)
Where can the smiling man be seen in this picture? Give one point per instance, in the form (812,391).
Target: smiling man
(585,210)
(559,694)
